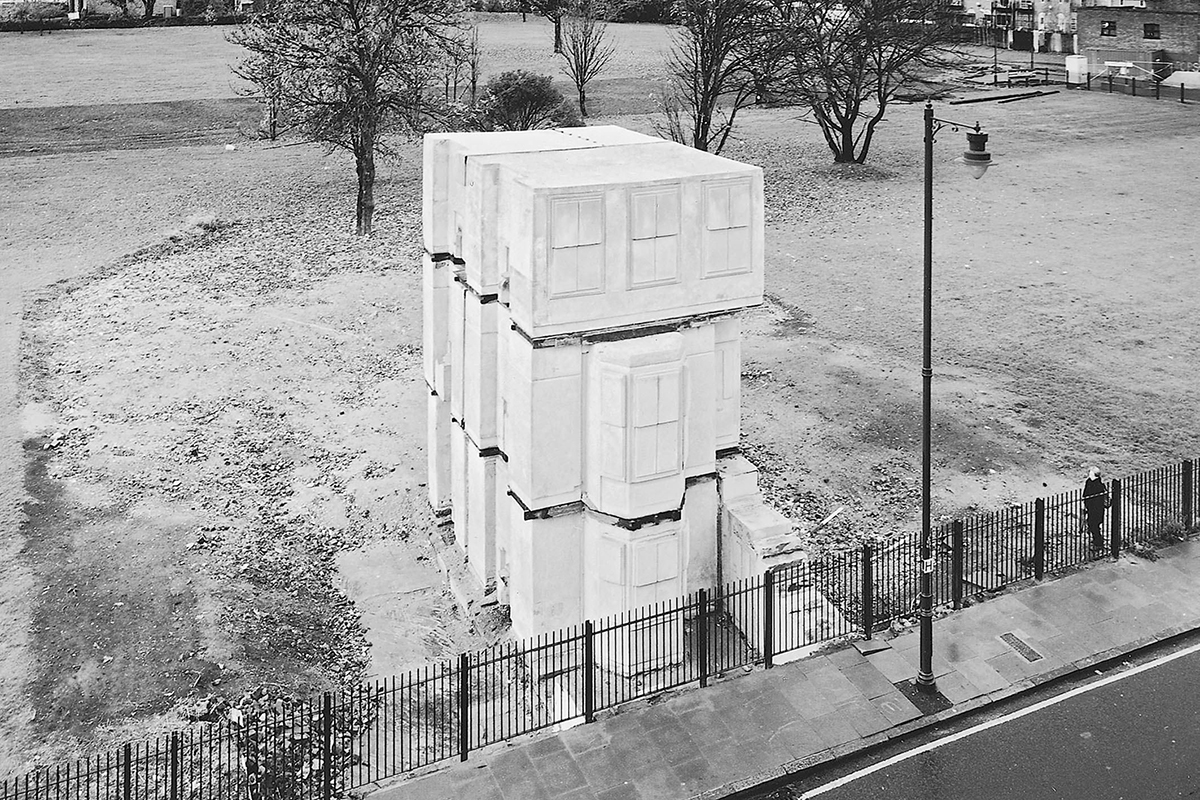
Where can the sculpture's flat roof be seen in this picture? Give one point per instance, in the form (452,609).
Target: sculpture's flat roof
(614,165)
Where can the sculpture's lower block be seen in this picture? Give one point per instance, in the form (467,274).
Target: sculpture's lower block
(480,324)
(435,284)
(544,571)
(481,516)
(728,347)
(631,570)
(458,484)
(437,451)
(542,410)
(701,508)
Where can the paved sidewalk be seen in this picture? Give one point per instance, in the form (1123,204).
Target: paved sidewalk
(755,726)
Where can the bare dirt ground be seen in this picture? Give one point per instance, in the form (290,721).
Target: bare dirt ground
(199,433)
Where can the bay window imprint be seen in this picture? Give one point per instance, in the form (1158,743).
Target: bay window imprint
(577,246)
(654,231)
(656,425)
(644,441)
(727,228)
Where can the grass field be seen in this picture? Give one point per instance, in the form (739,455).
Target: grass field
(223,391)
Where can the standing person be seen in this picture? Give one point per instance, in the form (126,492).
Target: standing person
(1095,500)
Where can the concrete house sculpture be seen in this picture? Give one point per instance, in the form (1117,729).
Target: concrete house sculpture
(583,356)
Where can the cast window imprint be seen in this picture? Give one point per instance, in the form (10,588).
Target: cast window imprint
(655,570)
(1151,30)
(654,234)
(726,228)
(641,436)
(655,434)
(1108,27)
(577,246)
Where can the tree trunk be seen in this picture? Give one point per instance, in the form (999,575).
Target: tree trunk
(582,103)
(365,209)
(558,34)
(148,9)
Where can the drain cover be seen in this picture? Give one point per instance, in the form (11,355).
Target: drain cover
(1026,652)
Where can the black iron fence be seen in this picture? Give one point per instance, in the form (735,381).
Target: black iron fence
(279,749)
(1138,87)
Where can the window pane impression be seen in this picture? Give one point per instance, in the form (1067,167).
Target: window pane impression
(727,228)
(654,230)
(577,253)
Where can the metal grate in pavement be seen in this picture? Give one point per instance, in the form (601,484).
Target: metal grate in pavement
(1024,650)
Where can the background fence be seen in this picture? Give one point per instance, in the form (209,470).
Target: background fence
(1138,87)
(322,748)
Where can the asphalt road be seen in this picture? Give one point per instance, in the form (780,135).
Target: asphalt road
(1136,737)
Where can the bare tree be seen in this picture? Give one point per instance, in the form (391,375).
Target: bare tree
(710,75)
(351,71)
(553,10)
(147,9)
(586,51)
(846,60)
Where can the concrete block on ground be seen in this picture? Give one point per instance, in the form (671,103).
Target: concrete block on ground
(545,566)
(631,570)
(701,509)
(437,450)
(481,516)
(458,485)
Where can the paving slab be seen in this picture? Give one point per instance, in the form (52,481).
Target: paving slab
(702,744)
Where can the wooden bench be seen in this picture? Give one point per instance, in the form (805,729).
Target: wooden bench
(1025,77)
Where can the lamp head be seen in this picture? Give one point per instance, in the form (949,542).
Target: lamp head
(976,158)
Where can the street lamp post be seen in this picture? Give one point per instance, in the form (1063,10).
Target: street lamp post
(977,159)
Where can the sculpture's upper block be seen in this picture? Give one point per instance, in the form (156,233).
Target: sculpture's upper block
(457,214)
(625,234)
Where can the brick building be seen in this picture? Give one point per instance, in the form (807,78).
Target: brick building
(1142,32)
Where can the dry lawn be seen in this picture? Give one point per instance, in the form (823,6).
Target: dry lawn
(199,433)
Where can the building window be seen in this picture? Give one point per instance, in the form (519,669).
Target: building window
(654,225)
(577,251)
(1108,27)
(1150,30)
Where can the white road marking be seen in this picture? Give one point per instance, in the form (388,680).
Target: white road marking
(925,748)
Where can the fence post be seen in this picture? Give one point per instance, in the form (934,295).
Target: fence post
(702,634)
(464,707)
(769,618)
(1039,538)
(1133,87)
(1115,536)
(174,778)
(326,746)
(1189,501)
(589,673)
(126,771)
(868,592)
(956,576)
(1110,82)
